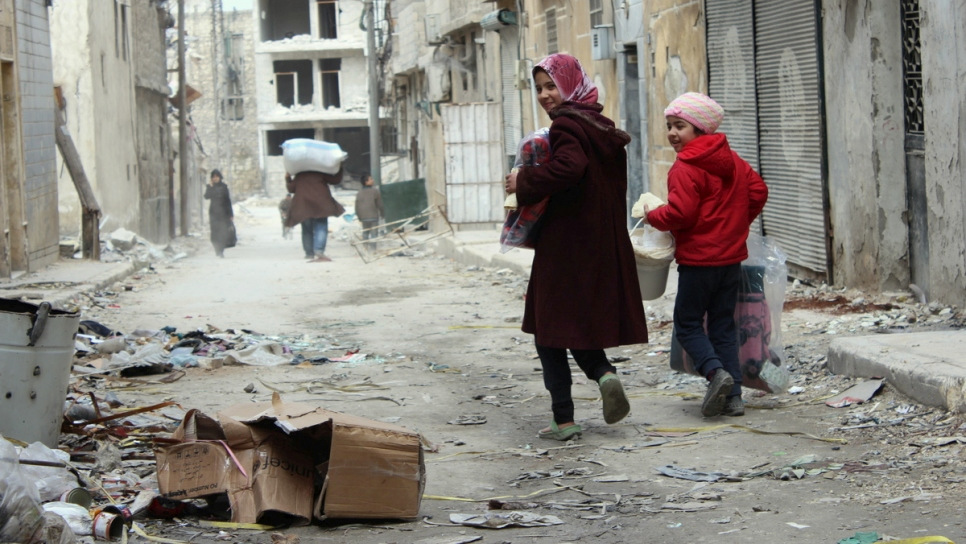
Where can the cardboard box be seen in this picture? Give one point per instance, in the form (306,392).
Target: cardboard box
(295,461)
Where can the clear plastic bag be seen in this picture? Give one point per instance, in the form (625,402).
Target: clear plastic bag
(761,296)
(21,518)
(520,226)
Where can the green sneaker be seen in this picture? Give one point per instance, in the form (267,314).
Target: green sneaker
(616,406)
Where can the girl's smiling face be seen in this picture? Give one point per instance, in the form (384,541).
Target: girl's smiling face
(680,132)
(547,92)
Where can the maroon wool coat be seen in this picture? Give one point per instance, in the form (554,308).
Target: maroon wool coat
(583,291)
(312,198)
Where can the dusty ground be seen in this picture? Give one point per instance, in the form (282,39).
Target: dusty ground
(443,341)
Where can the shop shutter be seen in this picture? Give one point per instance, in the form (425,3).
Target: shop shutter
(763,64)
(731,67)
(790,137)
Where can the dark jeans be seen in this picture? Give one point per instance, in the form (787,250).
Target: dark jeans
(557,380)
(315,233)
(712,292)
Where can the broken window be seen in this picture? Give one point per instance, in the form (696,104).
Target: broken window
(233,109)
(329,73)
(235,54)
(293,82)
(328,23)
(282,19)
(275,138)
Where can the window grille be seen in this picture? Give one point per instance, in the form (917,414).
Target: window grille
(912,67)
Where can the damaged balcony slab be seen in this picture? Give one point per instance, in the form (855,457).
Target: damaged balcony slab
(926,366)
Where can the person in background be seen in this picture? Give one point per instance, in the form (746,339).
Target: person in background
(369,209)
(713,197)
(220,214)
(583,293)
(312,205)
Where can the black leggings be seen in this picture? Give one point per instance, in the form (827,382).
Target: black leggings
(557,380)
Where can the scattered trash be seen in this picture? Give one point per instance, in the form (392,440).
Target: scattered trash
(493,520)
(856,394)
(468,420)
(689,474)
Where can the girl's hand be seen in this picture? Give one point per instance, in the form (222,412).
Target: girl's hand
(510,182)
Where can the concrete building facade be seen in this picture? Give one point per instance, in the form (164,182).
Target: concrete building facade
(312,81)
(110,62)
(28,192)
(461,96)
(863,161)
(221,68)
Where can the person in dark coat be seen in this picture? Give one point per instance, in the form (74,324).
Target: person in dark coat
(312,206)
(583,293)
(220,214)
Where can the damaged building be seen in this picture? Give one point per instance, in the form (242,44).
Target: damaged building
(219,66)
(109,60)
(312,81)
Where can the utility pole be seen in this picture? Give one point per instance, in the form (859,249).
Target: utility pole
(182,122)
(374,132)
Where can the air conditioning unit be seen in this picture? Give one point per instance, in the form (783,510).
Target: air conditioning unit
(498,19)
(602,42)
(432,30)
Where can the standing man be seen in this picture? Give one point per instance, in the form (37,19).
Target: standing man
(312,205)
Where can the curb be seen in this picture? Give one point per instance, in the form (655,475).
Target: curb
(916,364)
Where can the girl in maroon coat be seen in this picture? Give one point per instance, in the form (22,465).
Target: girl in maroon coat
(713,197)
(583,293)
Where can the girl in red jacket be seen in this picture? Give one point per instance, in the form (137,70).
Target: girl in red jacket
(713,197)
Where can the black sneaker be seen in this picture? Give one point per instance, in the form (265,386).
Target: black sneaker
(734,407)
(717,395)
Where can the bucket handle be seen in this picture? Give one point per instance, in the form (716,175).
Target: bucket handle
(39,323)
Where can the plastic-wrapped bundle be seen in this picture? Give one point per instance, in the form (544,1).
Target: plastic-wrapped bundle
(307,155)
(520,226)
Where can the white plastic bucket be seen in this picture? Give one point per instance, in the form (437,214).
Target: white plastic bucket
(36,352)
(652,277)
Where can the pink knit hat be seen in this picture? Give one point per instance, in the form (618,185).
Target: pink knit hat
(698,109)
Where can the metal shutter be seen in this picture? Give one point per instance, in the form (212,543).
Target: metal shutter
(790,128)
(731,67)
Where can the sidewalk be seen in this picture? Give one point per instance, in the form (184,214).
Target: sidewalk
(928,367)
(63,281)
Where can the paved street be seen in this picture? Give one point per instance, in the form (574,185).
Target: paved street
(443,350)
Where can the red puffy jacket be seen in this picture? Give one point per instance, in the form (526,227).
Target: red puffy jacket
(713,197)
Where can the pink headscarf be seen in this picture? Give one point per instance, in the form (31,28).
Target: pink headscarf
(569,77)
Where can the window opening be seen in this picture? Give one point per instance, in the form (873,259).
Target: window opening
(233,109)
(293,82)
(596,13)
(329,73)
(328,23)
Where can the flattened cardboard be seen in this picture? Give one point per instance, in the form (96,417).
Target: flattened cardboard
(300,456)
